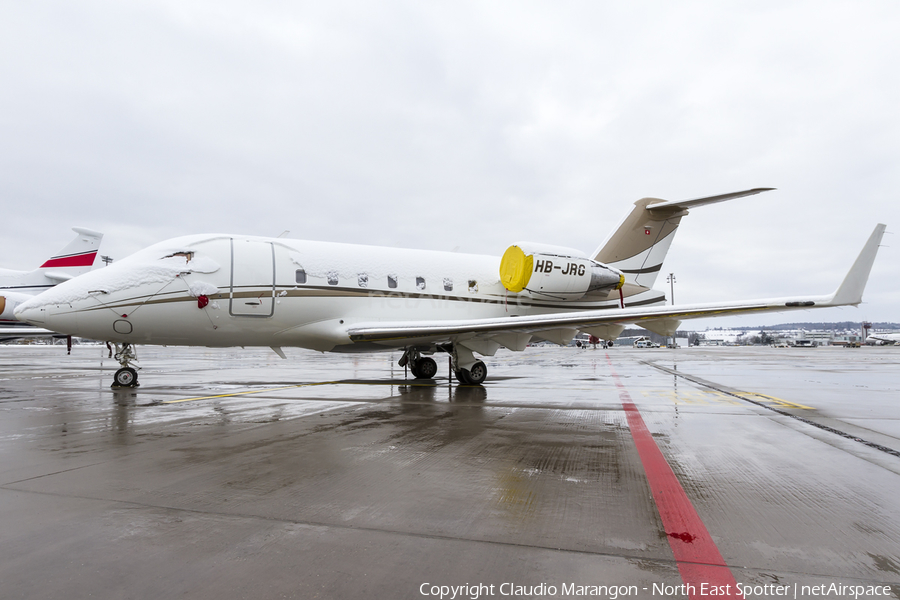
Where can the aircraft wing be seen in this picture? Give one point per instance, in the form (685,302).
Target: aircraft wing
(15,332)
(848,293)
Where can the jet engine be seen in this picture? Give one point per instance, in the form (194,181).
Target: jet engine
(555,273)
(8,302)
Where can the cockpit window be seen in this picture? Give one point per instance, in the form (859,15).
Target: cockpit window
(186,255)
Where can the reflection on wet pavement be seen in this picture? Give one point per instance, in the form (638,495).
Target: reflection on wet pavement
(231,471)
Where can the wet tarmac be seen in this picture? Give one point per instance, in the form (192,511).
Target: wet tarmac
(236,474)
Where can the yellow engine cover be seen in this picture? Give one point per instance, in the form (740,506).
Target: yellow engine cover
(515,269)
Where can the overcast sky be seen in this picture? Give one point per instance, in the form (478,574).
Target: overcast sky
(474,125)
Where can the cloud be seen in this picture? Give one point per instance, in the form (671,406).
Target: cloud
(460,124)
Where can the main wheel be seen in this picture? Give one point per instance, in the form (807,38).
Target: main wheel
(424,368)
(125,377)
(478,373)
(474,376)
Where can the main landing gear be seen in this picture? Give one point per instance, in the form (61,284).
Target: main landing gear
(465,366)
(474,375)
(422,367)
(126,377)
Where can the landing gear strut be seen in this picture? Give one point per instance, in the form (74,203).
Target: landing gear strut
(127,375)
(422,367)
(466,367)
(472,376)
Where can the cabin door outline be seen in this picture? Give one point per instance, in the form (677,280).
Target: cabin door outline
(252,279)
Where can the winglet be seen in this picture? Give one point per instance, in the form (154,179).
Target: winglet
(851,289)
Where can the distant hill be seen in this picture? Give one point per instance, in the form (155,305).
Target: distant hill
(691,334)
(841,325)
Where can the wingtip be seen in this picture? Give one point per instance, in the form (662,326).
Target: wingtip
(851,289)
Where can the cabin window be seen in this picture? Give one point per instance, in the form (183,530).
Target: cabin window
(392,281)
(332,277)
(363,280)
(420,283)
(300,276)
(448,284)
(473,286)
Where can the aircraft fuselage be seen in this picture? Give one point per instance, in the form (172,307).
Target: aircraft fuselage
(224,290)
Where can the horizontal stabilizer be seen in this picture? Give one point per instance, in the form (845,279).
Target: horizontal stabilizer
(685,204)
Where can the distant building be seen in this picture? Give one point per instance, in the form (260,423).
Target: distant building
(720,337)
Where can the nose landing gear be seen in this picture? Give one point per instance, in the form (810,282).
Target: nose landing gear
(127,375)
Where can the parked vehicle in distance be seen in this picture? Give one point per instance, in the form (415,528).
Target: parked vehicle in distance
(645,344)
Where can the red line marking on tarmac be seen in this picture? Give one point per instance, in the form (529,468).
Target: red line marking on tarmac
(698,557)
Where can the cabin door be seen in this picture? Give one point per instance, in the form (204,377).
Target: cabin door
(252,279)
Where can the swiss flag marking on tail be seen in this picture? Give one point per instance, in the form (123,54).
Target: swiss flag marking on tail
(646,231)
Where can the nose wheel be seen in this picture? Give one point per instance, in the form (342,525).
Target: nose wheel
(126,377)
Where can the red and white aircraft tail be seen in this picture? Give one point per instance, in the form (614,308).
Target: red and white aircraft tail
(75,258)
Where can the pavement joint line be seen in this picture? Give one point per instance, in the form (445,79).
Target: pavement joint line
(827,428)
(346,382)
(310,523)
(3,486)
(300,385)
(432,536)
(458,403)
(247,392)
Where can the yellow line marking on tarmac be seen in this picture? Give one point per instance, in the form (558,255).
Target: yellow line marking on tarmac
(773,400)
(709,396)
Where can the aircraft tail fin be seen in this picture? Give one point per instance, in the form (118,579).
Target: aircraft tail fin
(76,258)
(640,243)
(851,289)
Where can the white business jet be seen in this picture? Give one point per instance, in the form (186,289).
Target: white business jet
(18,286)
(231,290)
(883,338)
